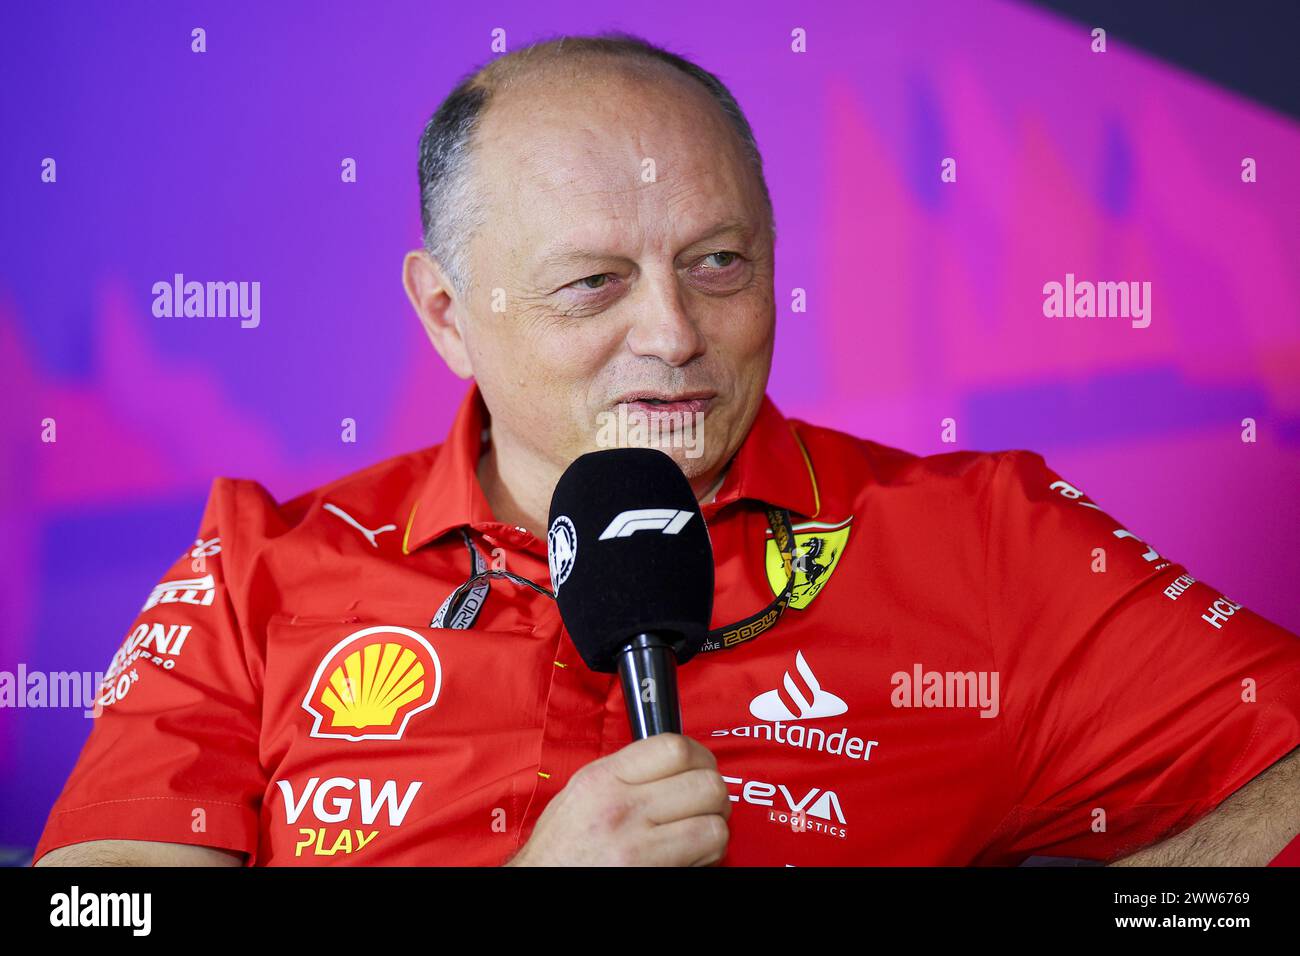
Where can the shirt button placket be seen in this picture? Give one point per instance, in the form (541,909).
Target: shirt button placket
(572,726)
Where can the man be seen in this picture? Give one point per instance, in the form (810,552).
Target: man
(375,672)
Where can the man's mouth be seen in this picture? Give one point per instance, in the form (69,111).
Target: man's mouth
(687,403)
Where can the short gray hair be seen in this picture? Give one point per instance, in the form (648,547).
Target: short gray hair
(452,208)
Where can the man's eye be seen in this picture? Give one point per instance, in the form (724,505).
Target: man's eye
(733,257)
(582,283)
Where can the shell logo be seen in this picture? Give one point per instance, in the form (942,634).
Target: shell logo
(372,683)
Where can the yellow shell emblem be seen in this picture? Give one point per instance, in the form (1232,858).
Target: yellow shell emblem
(369,689)
(817,551)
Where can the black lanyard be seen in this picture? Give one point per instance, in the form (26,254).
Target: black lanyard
(462,606)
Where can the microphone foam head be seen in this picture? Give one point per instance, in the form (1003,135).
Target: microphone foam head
(630,554)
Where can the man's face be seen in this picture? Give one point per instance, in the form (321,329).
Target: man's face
(629,247)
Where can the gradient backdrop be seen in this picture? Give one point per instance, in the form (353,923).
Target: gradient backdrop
(924,298)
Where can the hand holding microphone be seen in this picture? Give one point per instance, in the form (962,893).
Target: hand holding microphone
(657,802)
(632,569)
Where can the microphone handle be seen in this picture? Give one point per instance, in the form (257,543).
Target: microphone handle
(647,669)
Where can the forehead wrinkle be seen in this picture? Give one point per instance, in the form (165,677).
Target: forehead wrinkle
(681,113)
(584,172)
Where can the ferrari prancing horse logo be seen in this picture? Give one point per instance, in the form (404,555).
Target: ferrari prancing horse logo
(817,550)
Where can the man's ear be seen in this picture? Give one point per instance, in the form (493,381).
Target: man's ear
(430,294)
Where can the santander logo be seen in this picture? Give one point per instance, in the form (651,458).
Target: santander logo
(800,697)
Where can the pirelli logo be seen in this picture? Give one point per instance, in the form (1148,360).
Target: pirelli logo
(199,591)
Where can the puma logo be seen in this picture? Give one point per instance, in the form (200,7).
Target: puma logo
(366,532)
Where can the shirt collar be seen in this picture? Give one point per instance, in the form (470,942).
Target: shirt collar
(771,466)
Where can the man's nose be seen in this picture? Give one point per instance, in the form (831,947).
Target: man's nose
(662,326)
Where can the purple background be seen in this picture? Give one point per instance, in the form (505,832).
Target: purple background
(925,299)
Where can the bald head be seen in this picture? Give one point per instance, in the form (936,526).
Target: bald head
(510,90)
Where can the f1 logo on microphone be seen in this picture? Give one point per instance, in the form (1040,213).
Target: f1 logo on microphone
(667,520)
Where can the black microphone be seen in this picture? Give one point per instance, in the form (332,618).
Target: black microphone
(632,570)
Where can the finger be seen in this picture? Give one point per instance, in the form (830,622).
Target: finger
(662,755)
(694,793)
(695,841)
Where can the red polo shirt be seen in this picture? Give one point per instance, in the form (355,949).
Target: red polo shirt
(978,665)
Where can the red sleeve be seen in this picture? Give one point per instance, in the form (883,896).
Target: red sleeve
(1135,698)
(172,755)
